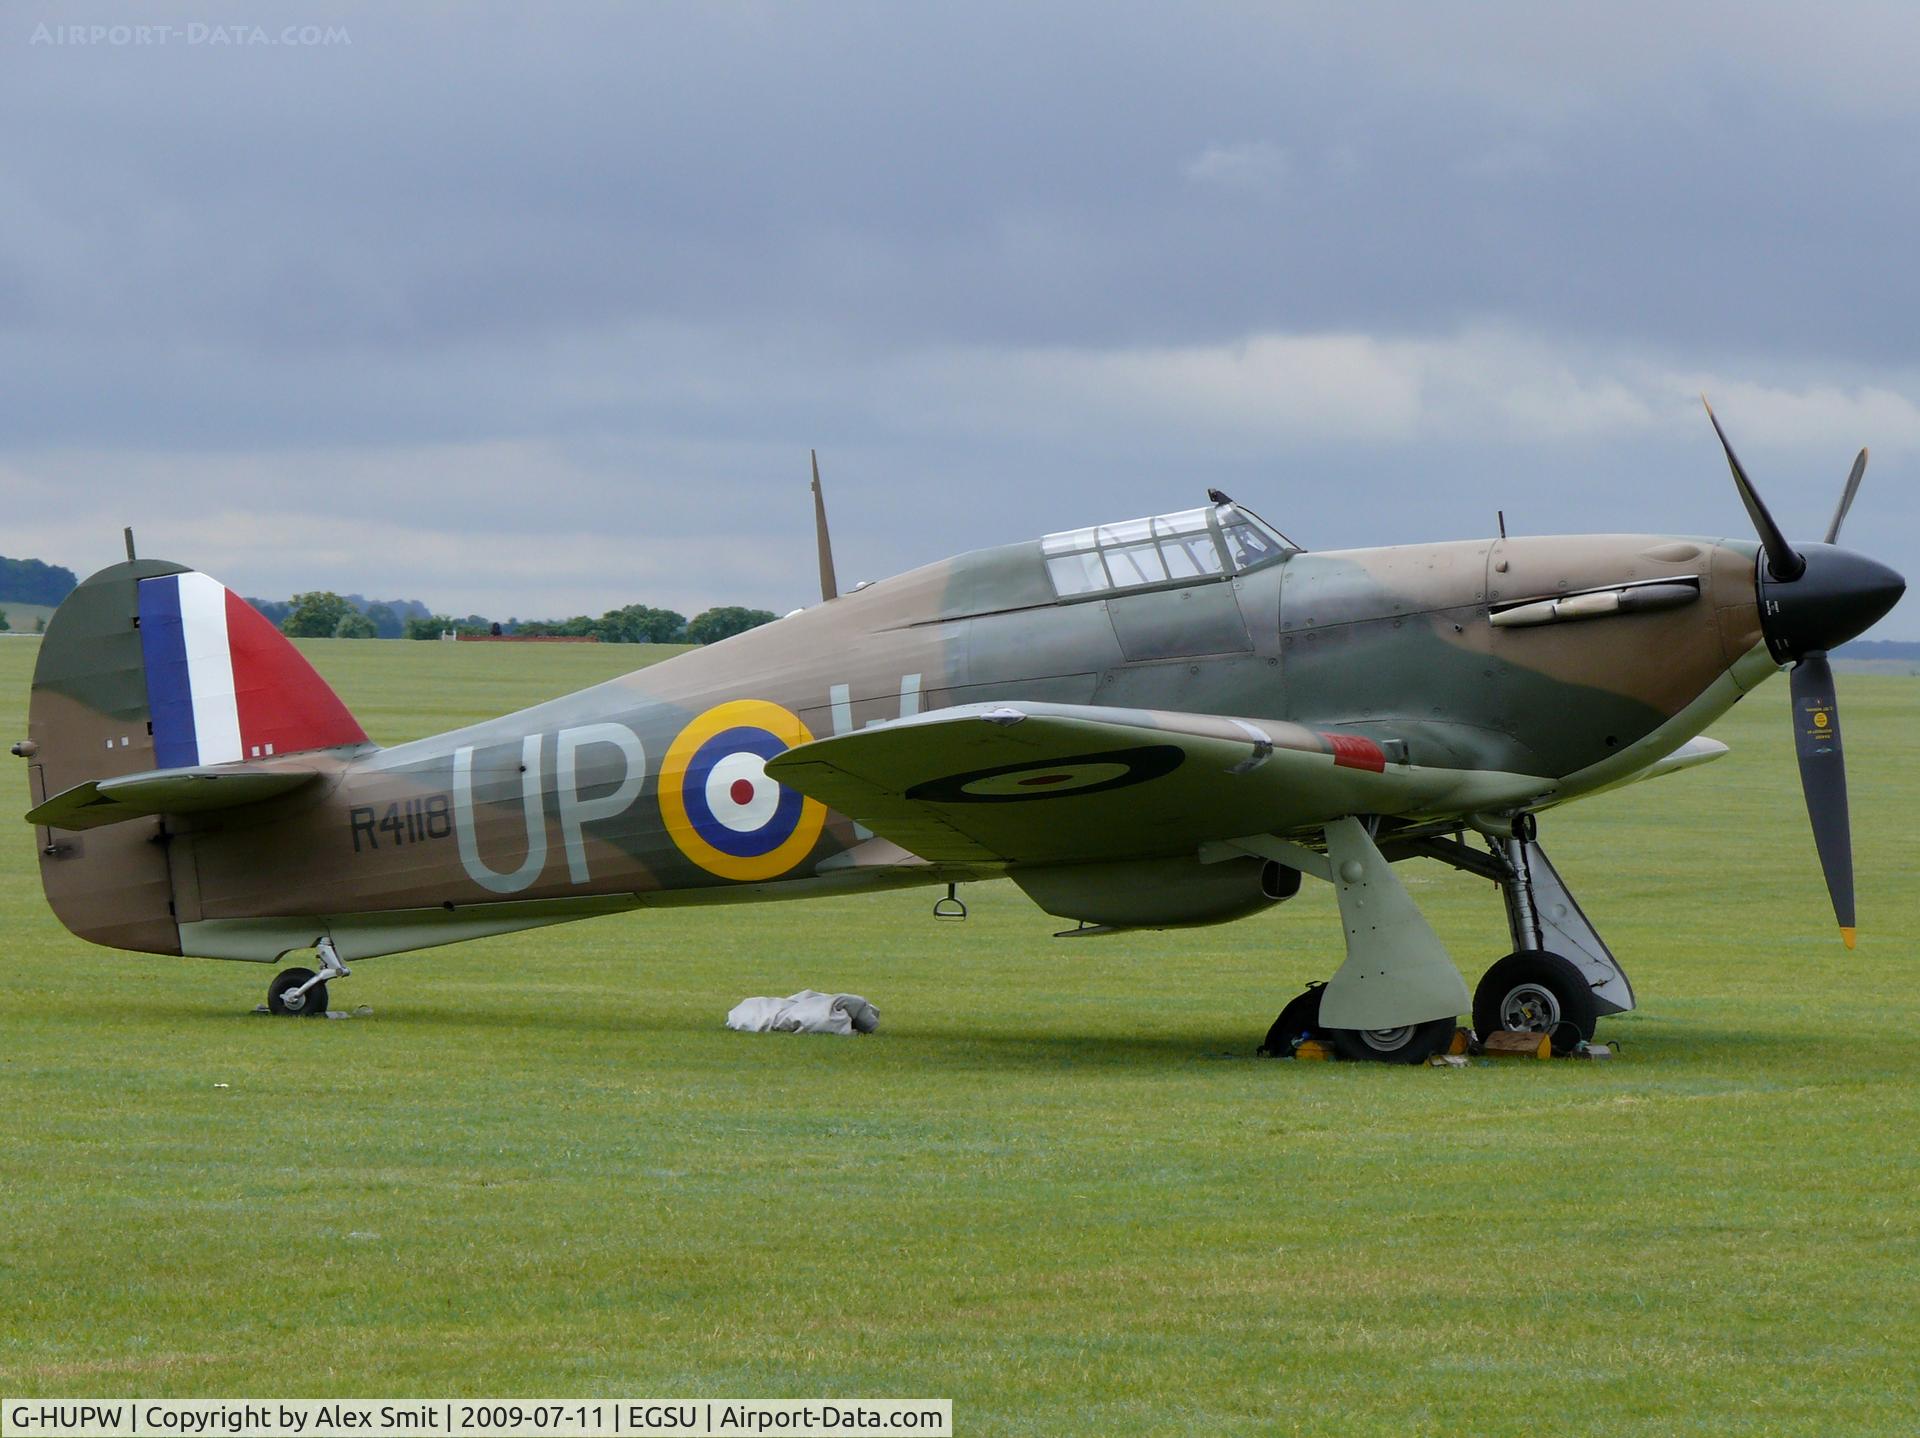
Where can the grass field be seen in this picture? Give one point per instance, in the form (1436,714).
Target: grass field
(1056,1187)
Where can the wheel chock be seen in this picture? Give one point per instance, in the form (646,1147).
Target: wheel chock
(1502,1045)
(1508,1045)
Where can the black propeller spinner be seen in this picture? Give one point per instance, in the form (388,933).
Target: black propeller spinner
(1811,599)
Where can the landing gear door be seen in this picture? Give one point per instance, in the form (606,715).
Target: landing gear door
(37,789)
(1566,931)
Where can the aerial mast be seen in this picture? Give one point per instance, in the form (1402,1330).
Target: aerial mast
(829,588)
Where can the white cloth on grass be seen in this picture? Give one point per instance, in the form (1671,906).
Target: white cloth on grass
(807,1012)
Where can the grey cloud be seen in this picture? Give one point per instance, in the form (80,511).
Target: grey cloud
(879,170)
(634,260)
(1254,166)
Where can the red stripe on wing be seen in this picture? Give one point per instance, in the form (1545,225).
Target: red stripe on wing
(1350,751)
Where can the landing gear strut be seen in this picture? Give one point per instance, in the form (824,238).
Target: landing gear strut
(1383,1003)
(1396,996)
(1560,977)
(301,993)
(1534,990)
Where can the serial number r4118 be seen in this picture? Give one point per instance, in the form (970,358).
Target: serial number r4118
(408,821)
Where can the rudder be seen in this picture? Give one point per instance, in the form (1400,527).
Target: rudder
(223,684)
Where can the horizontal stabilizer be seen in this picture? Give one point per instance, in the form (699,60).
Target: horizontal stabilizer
(166,791)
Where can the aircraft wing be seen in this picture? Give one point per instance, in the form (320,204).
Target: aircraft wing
(1030,782)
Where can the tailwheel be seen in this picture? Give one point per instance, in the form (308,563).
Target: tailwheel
(1408,1044)
(1533,991)
(1300,1019)
(285,995)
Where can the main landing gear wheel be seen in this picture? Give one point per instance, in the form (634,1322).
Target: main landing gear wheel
(1300,1016)
(1535,992)
(1408,1044)
(307,1005)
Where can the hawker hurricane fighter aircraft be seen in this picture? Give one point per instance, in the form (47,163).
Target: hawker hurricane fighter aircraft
(1162,722)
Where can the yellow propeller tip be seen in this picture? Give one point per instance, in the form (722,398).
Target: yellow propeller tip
(1846,936)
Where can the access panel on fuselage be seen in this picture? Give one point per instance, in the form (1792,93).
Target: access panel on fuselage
(1052,652)
(1194,619)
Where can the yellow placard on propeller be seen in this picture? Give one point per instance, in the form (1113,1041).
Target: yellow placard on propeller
(720,808)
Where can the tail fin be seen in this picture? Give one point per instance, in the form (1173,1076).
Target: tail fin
(152,666)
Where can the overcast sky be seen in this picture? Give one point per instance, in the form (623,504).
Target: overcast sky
(536,309)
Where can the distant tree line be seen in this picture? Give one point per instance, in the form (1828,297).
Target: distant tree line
(643,624)
(34,581)
(388,616)
(432,626)
(322,614)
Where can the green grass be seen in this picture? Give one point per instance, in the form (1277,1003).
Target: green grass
(404,689)
(1055,1187)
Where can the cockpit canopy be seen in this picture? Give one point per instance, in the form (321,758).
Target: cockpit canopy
(1215,541)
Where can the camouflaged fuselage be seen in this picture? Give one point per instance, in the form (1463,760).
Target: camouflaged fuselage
(595,802)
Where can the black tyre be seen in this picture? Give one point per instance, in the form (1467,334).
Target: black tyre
(311,1004)
(1536,992)
(1408,1044)
(1299,1019)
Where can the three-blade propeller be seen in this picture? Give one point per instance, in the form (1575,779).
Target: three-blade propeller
(1806,607)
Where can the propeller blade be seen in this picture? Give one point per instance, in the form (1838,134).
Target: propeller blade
(1846,497)
(1784,562)
(1823,779)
